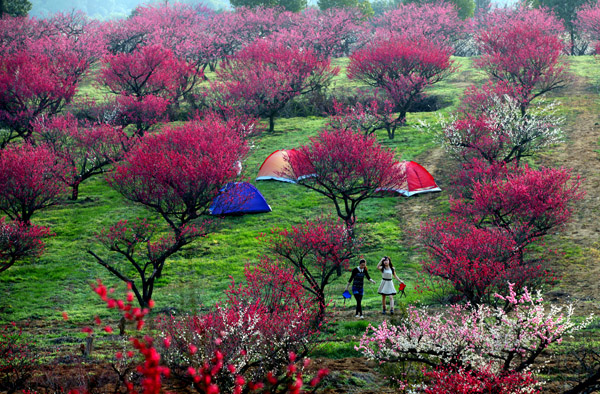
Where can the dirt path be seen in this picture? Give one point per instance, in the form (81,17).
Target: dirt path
(581,270)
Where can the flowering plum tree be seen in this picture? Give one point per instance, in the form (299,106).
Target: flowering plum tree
(437,22)
(20,242)
(402,68)
(40,69)
(317,249)
(176,174)
(451,379)
(89,149)
(17,358)
(483,244)
(208,369)
(501,133)
(347,168)
(148,71)
(31,178)
(488,341)
(367,118)
(328,33)
(32,84)
(567,13)
(588,21)
(263,319)
(264,76)
(524,52)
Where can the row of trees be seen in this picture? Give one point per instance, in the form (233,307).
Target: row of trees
(499,207)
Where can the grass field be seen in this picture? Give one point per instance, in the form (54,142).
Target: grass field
(198,274)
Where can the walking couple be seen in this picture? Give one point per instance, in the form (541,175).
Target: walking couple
(386,287)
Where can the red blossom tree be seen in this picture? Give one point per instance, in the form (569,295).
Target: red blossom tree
(476,261)
(41,65)
(318,249)
(150,70)
(216,353)
(437,22)
(149,79)
(367,118)
(347,168)
(402,68)
(263,319)
(137,243)
(122,111)
(20,242)
(452,380)
(90,149)
(175,174)
(524,52)
(588,20)
(31,178)
(33,83)
(263,77)
(484,244)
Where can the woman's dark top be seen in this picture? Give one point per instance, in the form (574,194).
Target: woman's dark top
(358,277)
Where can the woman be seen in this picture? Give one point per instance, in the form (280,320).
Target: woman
(357,278)
(386,287)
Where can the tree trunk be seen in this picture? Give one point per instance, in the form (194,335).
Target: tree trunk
(89,346)
(271,123)
(74,192)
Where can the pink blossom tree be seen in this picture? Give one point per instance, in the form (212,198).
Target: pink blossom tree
(483,244)
(402,68)
(90,149)
(263,77)
(588,21)
(152,75)
(368,118)
(438,22)
(488,341)
(176,174)
(523,52)
(327,33)
(19,242)
(40,69)
(31,178)
(347,168)
(317,249)
(215,369)
(263,319)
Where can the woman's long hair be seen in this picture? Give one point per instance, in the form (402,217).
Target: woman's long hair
(391,265)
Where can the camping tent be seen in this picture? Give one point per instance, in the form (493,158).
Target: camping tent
(418,180)
(238,198)
(277,167)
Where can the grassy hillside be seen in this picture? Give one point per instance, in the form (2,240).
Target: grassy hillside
(197,275)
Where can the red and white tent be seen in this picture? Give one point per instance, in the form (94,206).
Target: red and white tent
(418,180)
(277,167)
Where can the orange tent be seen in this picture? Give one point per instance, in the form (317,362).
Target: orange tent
(277,167)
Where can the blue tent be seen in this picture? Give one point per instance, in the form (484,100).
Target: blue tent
(238,198)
